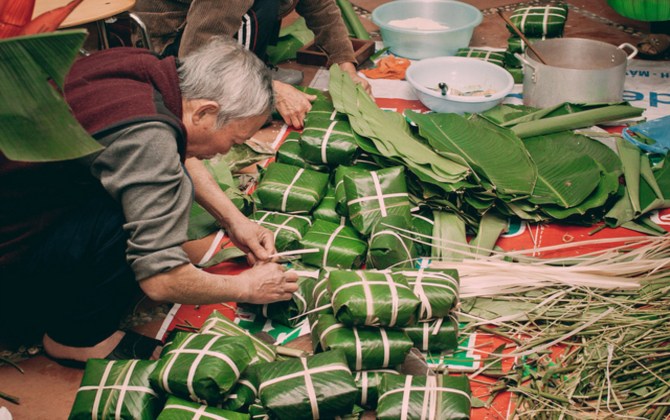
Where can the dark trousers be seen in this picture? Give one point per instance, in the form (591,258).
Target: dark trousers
(75,284)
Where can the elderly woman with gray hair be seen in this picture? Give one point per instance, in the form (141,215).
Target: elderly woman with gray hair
(85,236)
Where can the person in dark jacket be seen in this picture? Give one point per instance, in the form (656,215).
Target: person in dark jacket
(79,239)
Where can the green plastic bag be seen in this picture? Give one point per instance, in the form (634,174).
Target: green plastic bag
(367,382)
(290,153)
(217,323)
(429,397)
(202,367)
(290,189)
(438,336)
(116,389)
(288,229)
(292,312)
(339,246)
(314,387)
(328,142)
(372,298)
(493,57)
(326,210)
(179,409)
(388,245)
(538,21)
(364,347)
(376,194)
(436,289)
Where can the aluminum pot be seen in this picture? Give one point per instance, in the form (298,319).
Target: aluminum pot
(577,70)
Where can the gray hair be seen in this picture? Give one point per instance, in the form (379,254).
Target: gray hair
(225,72)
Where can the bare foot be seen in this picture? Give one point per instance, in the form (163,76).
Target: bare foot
(99,351)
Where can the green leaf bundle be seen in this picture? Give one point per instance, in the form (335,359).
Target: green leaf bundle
(493,57)
(437,336)
(327,209)
(290,153)
(540,21)
(179,409)
(388,247)
(289,312)
(367,382)
(308,388)
(217,323)
(437,290)
(339,246)
(202,367)
(288,229)
(290,189)
(375,299)
(242,394)
(365,347)
(328,142)
(323,109)
(340,194)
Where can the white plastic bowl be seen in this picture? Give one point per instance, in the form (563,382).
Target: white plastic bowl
(460,18)
(459,73)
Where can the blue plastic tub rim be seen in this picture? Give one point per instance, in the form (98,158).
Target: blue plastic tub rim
(478,19)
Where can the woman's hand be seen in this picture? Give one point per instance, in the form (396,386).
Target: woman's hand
(292,104)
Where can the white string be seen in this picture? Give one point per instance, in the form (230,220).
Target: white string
(124,389)
(376,197)
(197,411)
(387,347)
(394,299)
(311,392)
(320,369)
(359,349)
(378,190)
(288,188)
(98,393)
(332,237)
(405,397)
(324,142)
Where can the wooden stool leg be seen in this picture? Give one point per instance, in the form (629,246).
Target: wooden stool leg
(146,40)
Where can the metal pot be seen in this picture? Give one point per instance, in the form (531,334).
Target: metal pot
(577,70)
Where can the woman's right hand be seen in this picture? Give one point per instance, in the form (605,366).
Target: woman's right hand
(266,283)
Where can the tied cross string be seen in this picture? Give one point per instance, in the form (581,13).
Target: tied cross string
(197,413)
(324,142)
(284,199)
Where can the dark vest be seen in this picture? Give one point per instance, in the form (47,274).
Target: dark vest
(106,91)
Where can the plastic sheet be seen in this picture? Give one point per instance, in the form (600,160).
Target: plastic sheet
(202,367)
(290,189)
(116,389)
(328,142)
(652,136)
(438,336)
(376,299)
(367,382)
(216,323)
(339,246)
(290,153)
(179,409)
(428,397)
(315,387)
(387,248)
(364,347)
(376,194)
(288,229)
(436,289)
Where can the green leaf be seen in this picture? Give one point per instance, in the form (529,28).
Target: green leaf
(291,39)
(35,121)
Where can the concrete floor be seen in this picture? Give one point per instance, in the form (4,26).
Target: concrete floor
(47,390)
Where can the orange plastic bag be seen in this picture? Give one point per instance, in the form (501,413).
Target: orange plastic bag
(390,67)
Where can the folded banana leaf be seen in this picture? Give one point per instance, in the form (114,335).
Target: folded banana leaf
(440,335)
(290,153)
(202,367)
(340,172)
(339,246)
(436,289)
(494,57)
(538,21)
(290,189)
(387,248)
(242,394)
(376,194)
(327,142)
(321,297)
(179,409)
(289,312)
(288,229)
(323,109)
(422,224)
(315,387)
(424,397)
(258,412)
(326,210)
(116,389)
(367,382)
(517,45)
(217,323)
(365,347)
(375,299)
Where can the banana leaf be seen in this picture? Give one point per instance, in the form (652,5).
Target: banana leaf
(415,397)
(288,229)
(387,248)
(365,347)
(35,121)
(290,153)
(340,172)
(242,394)
(290,312)
(493,57)
(179,409)
(116,389)
(491,226)
(308,388)
(517,73)
(321,298)
(440,335)
(323,108)
(290,189)
(517,45)
(374,299)
(243,155)
(217,323)
(449,229)
(339,246)
(376,194)
(291,39)
(436,289)
(493,152)
(202,367)
(367,382)
(257,411)
(326,210)
(328,142)
(539,21)
(422,224)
